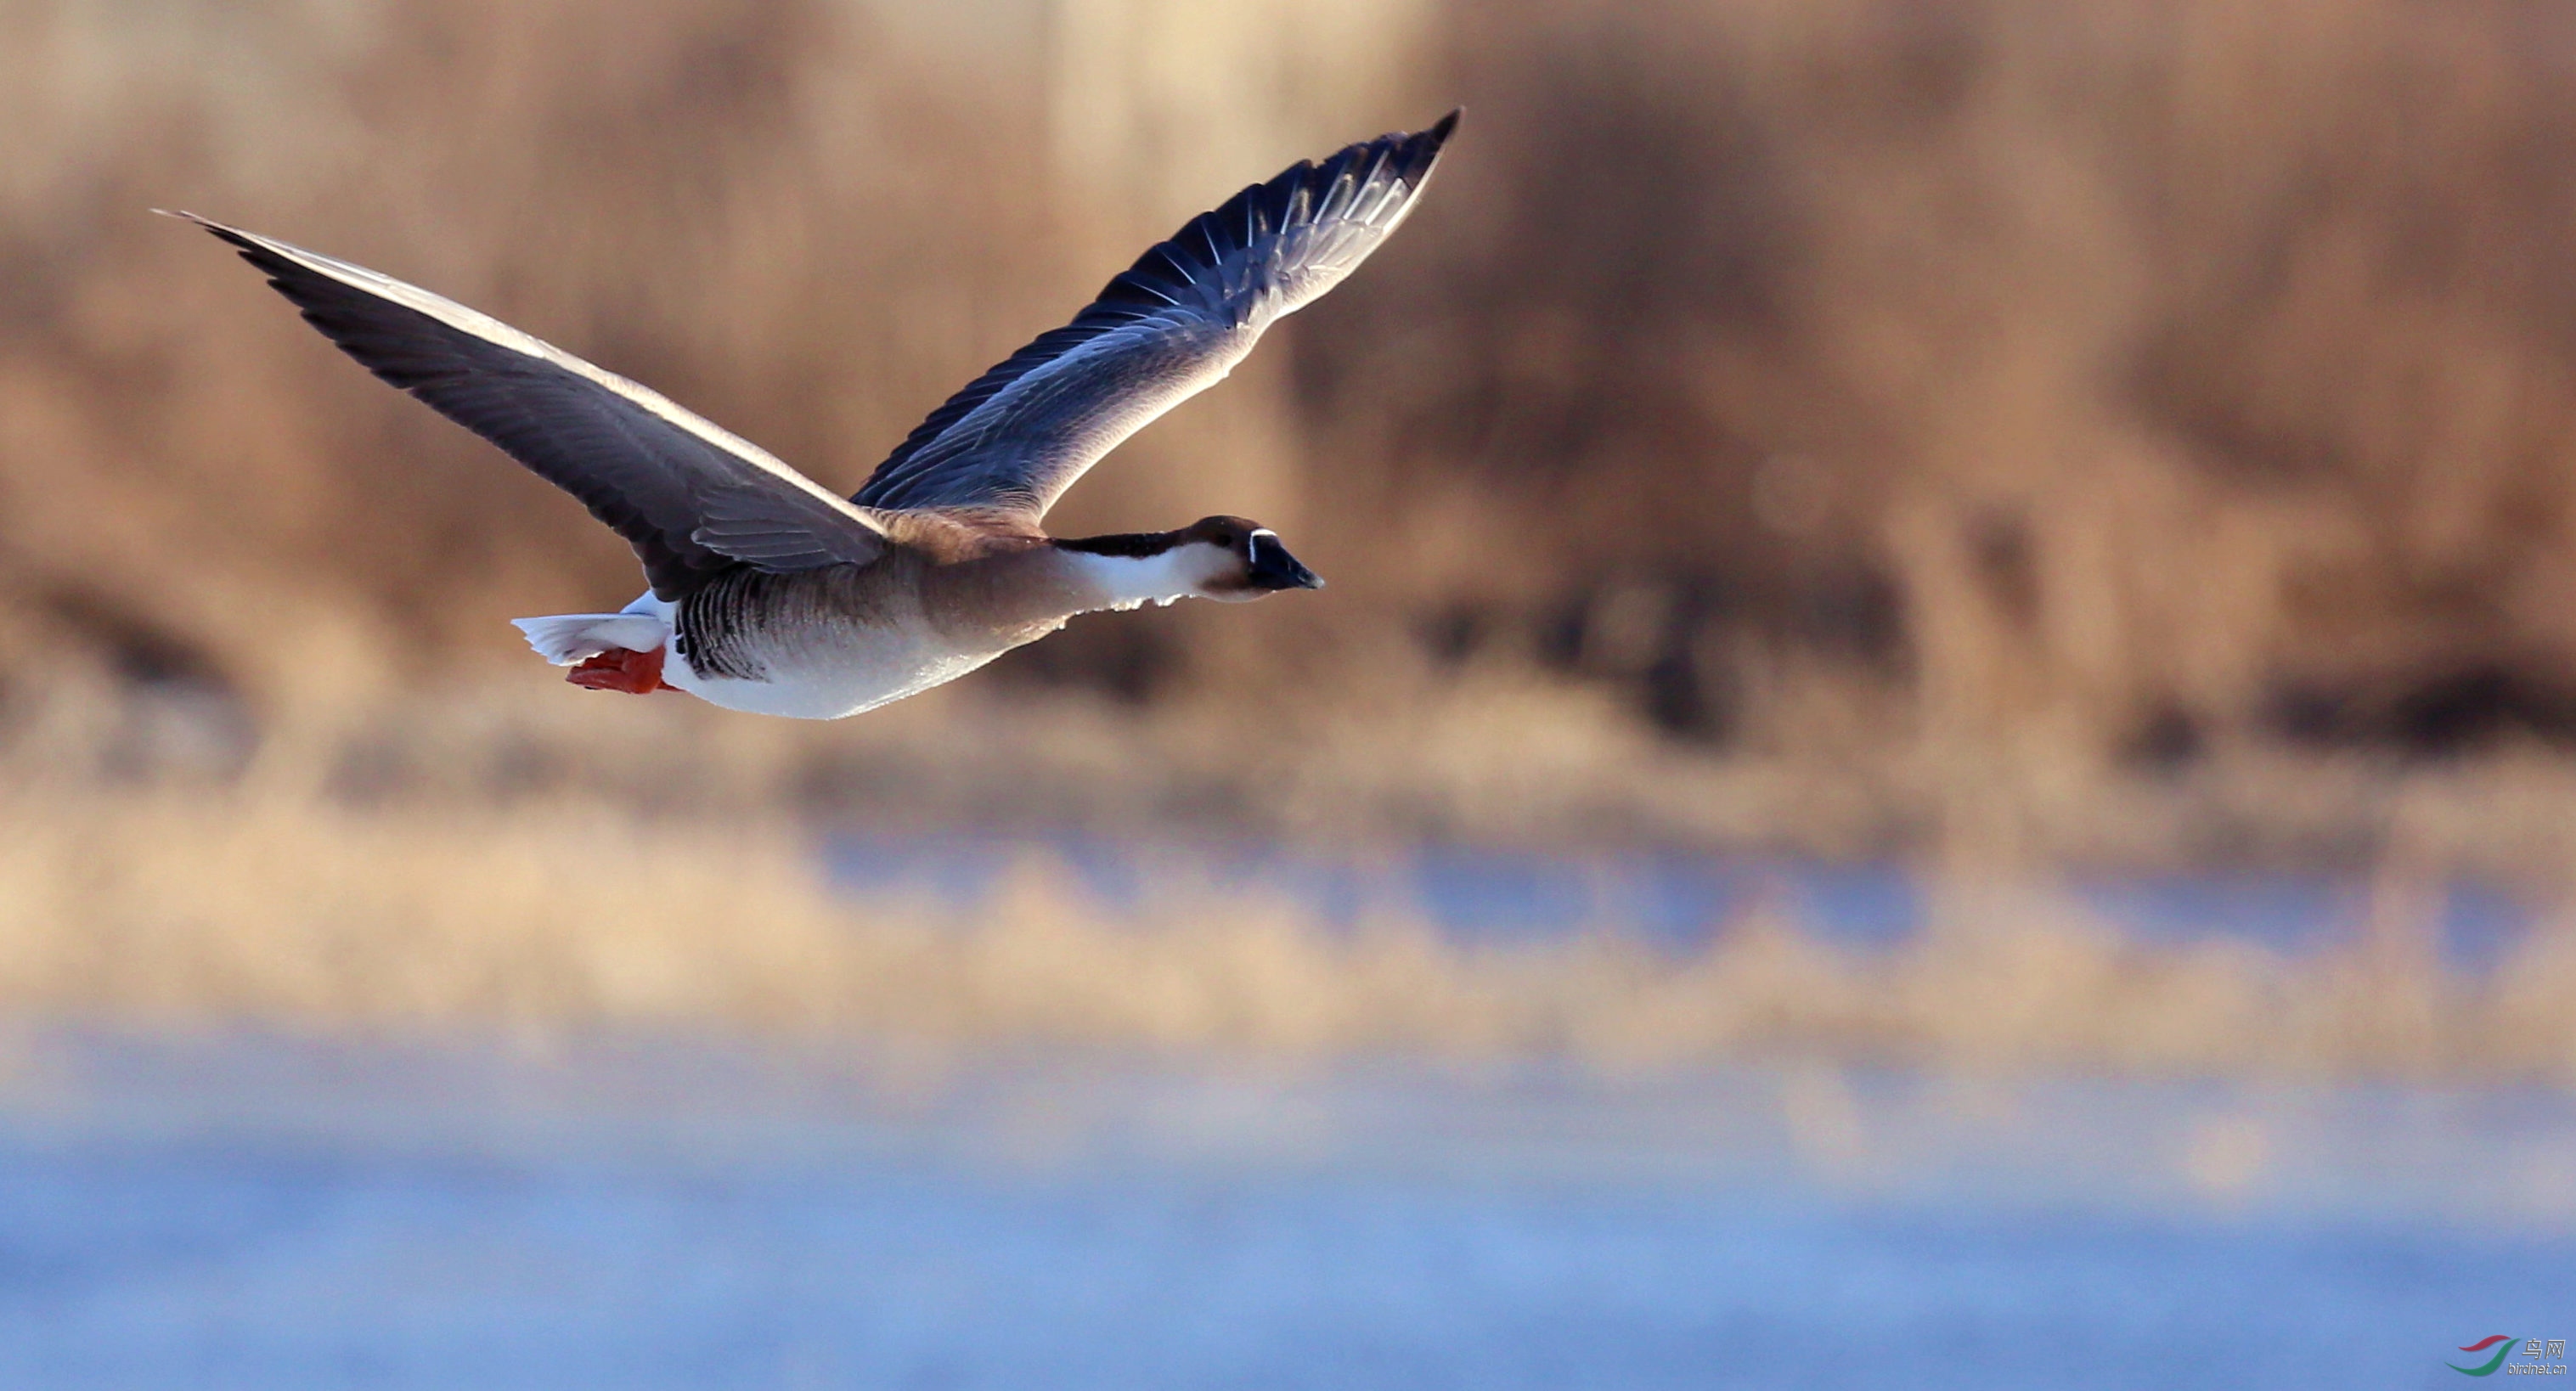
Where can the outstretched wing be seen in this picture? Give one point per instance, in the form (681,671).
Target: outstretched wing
(693,499)
(1170,327)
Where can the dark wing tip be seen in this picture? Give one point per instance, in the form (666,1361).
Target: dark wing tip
(260,256)
(219,229)
(1411,154)
(1422,147)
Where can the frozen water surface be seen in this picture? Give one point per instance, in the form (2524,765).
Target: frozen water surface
(258,1212)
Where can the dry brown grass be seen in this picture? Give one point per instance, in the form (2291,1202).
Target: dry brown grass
(2176,376)
(265,903)
(2119,431)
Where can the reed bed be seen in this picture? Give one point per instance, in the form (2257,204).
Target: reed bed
(1970,415)
(261,905)
(2005,435)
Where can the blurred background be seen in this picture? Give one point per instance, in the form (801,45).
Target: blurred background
(1943,746)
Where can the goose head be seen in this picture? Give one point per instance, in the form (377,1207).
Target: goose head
(1243,560)
(1229,559)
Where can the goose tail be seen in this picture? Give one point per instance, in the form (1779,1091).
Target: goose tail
(566,638)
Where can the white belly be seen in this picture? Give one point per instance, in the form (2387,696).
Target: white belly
(888,664)
(829,692)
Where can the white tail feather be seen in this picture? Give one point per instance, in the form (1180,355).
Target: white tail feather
(566,638)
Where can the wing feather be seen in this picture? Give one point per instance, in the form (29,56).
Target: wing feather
(692,498)
(1164,330)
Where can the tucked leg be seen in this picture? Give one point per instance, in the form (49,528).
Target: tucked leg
(635,673)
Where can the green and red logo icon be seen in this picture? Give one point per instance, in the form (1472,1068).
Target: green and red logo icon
(2549,1357)
(2502,1343)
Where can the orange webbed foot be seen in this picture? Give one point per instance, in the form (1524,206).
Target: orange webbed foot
(635,673)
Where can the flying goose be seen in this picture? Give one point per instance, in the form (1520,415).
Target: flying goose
(772,594)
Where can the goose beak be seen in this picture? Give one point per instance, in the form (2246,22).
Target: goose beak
(1272,568)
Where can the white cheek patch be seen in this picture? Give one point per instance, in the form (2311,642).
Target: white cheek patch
(1134,581)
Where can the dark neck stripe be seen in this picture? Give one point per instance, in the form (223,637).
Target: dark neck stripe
(1134,545)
